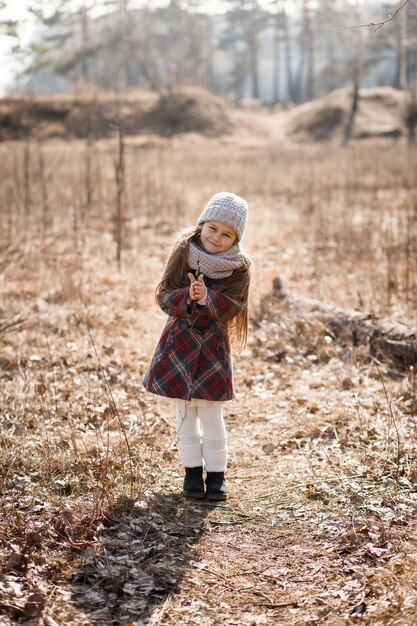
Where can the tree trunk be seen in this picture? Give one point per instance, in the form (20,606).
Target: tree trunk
(402,56)
(387,341)
(276,64)
(238,73)
(411,111)
(306,63)
(310,54)
(288,57)
(357,72)
(125,51)
(253,60)
(209,54)
(297,85)
(85,39)
(329,80)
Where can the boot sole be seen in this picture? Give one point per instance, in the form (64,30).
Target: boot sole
(198,495)
(217,496)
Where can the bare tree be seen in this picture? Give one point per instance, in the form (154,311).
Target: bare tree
(309,44)
(357,74)
(277,25)
(411,76)
(380,24)
(402,54)
(276,61)
(306,56)
(85,39)
(288,54)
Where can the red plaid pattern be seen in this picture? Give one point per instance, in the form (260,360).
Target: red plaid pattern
(187,362)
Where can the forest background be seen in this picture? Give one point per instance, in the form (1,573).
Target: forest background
(274,51)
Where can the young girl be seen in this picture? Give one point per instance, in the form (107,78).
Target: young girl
(204,291)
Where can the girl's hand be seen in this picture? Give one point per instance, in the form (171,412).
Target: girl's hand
(197,288)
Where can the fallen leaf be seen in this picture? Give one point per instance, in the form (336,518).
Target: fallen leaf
(17,562)
(34,605)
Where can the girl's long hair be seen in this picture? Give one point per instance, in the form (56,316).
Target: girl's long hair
(175,269)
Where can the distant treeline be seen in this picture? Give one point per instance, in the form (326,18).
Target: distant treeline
(276,51)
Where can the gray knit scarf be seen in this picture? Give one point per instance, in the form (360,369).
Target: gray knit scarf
(219,265)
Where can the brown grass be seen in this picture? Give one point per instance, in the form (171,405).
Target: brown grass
(320,524)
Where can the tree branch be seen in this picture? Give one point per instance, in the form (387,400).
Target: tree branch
(377,25)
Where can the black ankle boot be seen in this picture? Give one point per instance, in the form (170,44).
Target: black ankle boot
(193,482)
(215,486)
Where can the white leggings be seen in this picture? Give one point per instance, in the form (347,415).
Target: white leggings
(201,434)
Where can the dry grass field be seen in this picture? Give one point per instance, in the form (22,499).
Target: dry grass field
(320,527)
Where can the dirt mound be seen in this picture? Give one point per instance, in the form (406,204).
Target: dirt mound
(190,110)
(379,115)
(183,110)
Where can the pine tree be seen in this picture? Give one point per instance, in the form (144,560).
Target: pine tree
(65,44)
(8,27)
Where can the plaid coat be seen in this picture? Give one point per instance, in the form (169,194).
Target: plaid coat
(192,358)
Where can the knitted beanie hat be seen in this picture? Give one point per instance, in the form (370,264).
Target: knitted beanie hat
(228,208)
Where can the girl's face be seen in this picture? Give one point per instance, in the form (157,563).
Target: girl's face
(217,237)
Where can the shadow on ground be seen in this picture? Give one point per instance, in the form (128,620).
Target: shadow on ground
(146,547)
